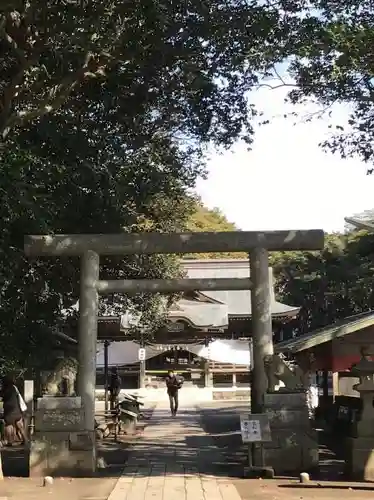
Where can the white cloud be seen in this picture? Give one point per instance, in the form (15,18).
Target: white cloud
(287,181)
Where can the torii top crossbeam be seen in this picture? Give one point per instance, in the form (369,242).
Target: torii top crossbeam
(172,243)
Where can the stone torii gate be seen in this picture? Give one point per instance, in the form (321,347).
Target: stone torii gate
(90,246)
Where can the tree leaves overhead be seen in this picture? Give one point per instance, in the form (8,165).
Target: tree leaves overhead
(41,194)
(106,108)
(186,67)
(189,63)
(330,50)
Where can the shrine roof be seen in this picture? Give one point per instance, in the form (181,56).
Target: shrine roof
(341,328)
(237,302)
(205,310)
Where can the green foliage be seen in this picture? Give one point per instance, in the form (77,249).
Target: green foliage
(106,109)
(205,219)
(328,285)
(43,196)
(185,65)
(329,45)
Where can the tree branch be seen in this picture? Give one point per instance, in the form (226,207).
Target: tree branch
(56,96)
(278,78)
(93,66)
(12,90)
(275,87)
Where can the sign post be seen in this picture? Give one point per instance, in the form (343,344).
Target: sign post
(251,431)
(141,357)
(255,430)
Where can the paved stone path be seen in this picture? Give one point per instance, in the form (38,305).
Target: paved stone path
(174,460)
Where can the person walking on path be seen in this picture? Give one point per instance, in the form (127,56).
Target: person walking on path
(13,409)
(173,384)
(114,388)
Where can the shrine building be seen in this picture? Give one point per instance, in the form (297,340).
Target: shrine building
(207,338)
(330,353)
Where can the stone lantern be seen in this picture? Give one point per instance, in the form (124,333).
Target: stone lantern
(361,447)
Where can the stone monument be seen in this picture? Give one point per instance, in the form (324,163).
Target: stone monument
(360,460)
(294,444)
(60,445)
(61,380)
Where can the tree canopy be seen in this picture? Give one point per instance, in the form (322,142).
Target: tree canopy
(205,219)
(180,65)
(328,285)
(106,109)
(328,45)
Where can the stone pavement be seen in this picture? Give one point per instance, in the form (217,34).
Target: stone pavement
(174,460)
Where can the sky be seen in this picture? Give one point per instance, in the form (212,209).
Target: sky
(287,181)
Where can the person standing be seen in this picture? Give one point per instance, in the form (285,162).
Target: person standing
(114,388)
(13,409)
(173,384)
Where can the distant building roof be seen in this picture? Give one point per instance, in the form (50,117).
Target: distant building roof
(220,306)
(341,328)
(205,310)
(201,314)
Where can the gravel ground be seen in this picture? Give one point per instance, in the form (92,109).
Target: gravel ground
(286,490)
(62,489)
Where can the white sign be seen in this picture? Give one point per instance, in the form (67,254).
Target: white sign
(250,430)
(141,354)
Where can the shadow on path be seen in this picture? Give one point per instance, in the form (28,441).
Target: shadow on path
(177,445)
(222,422)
